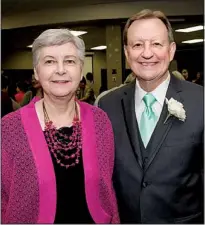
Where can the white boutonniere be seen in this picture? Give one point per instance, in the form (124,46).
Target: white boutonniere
(176,109)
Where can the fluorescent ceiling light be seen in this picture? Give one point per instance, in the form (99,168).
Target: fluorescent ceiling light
(78,33)
(190,29)
(193,41)
(73,32)
(101,47)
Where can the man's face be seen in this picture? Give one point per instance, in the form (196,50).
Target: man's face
(148,49)
(185,74)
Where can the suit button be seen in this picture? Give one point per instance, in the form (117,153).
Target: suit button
(145,160)
(145,184)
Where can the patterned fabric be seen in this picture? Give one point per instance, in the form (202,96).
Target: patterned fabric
(19,188)
(20,181)
(106,163)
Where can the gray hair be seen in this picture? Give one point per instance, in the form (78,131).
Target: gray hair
(53,37)
(148,14)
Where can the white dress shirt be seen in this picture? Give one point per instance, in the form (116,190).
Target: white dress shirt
(159,93)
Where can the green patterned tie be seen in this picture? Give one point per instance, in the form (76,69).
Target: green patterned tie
(148,119)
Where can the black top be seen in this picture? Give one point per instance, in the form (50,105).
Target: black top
(71,201)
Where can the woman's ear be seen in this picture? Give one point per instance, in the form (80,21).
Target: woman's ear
(36,74)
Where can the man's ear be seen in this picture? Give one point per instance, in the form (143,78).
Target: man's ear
(172,50)
(126,53)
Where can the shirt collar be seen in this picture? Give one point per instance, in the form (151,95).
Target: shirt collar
(159,93)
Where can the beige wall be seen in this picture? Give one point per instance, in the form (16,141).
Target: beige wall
(23,60)
(18,60)
(99,62)
(114,55)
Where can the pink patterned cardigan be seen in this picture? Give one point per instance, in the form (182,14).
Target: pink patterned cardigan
(28,178)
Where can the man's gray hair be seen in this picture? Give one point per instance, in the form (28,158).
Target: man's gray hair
(53,37)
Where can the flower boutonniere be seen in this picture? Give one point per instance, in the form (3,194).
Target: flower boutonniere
(176,109)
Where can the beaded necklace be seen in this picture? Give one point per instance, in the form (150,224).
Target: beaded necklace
(65,148)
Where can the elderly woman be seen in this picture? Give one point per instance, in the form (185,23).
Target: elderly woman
(57,152)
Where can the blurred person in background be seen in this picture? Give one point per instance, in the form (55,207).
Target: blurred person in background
(34,91)
(57,152)
(89,95)
(198,79)
(80,93)
(9,91)
(185,74)
(20,88)
(6,102)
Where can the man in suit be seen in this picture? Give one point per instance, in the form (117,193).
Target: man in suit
(158,126)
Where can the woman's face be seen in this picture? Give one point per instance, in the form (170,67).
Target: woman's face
(59,70)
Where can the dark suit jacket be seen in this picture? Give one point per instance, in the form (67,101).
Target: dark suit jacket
(164,182)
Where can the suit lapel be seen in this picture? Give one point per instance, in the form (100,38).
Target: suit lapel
(162,128)
(128,106)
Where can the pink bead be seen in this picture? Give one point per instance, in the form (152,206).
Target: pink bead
(59,148)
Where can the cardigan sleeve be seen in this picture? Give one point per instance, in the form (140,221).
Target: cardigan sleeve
(7,170)
(109,137)
(19,189)
(5,184)
(105,152)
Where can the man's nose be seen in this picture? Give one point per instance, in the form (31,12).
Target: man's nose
(147,51)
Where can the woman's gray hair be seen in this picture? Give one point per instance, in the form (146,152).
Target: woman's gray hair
(53,37)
